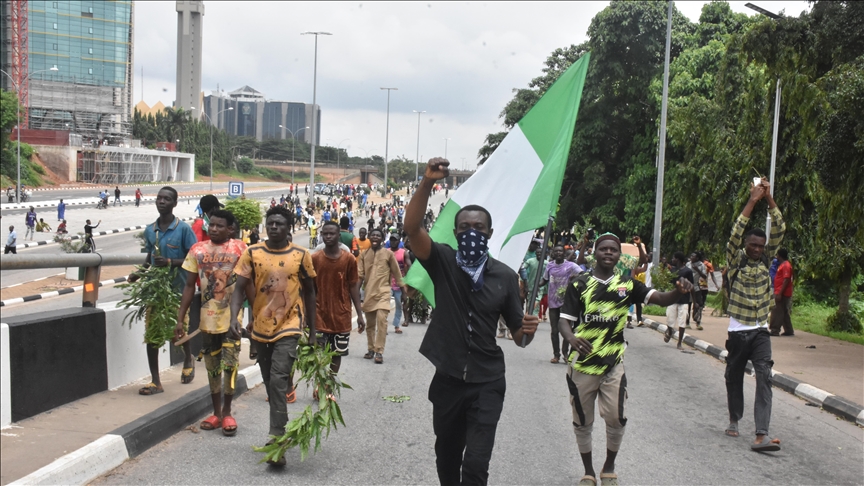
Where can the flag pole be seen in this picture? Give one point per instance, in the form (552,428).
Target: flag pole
(535,286)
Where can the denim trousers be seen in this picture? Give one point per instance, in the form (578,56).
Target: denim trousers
(397,315)
(754,346)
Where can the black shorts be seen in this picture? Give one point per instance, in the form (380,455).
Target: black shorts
(338,341)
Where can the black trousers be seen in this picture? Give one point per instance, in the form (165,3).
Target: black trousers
(754,346)
(464,418)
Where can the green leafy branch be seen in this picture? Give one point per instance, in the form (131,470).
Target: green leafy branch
(155,302)
(313,363)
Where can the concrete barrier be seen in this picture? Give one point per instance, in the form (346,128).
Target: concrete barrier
(5,377)
(126,355)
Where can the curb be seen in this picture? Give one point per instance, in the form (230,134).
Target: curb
(56,293)
(97,186)
(100,233)
(839,406)
(129,441)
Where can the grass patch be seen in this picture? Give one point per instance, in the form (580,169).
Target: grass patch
(654,310)
(813,317)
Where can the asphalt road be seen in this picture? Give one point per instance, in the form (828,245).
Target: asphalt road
(676,409)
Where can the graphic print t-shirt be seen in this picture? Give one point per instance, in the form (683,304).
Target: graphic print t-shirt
(600,310)
(214,265)
(276,275)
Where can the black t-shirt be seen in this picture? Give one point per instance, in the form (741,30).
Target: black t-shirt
(686,273)
(460,340)
(88,230)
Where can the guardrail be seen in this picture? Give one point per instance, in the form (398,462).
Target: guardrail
(91,262)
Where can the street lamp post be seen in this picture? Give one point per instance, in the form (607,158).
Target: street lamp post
(417,157)
(314,108)
(211,138)
(772,16)
(445,147)
(387,140)
(661,158)
(338,146)
(18,118)
(293,144)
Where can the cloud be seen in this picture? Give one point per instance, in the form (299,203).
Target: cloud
(458,61)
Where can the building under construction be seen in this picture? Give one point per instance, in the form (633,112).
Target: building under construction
(71,65)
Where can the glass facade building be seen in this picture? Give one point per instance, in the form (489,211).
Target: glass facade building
(90,44)
(254,116)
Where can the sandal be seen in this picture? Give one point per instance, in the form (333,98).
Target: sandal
(187,375)
(210,423)
(767,445)
(369,355)
(291,397)
(588,481)
(556,360)
(608,479)
(229,426)
(150,389)
(379,358)
(398,330)
(732,430)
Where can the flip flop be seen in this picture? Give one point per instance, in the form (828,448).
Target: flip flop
(210,423)
(229,426)
(732,430)
(608,479)
(150,389)
(291,397)
(767,445)
(588,481)
(187,375)
(398,330)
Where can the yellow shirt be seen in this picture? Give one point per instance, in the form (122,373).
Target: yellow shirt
(277,276)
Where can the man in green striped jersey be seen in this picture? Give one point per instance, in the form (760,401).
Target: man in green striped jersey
(596,302)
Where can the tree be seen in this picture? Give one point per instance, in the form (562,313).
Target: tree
(247,212)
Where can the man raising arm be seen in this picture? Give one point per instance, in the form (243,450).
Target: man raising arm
(472,290)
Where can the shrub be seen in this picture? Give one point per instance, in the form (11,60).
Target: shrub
(247,212)
(844,322)
(245,165)
(203,167)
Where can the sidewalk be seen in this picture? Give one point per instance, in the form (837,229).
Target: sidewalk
(834,366)
(38,441)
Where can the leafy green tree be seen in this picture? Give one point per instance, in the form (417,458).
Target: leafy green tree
(247,212)
(245,165)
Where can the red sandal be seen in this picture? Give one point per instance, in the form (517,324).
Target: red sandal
(211,423)
(229,426)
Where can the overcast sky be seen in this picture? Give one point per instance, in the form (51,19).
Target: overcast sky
(457,61)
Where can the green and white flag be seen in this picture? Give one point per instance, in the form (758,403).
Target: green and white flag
(521,181)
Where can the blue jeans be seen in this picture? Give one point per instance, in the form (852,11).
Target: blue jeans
(397,316)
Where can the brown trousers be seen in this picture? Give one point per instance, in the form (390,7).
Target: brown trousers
(376,329)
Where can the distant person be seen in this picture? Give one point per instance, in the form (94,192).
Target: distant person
(42,226)
(30,222)
(138,197)
(254,237)
(61,228)
(117,196)
(11,242)
(676,314)
(61,210)
(781,316)
(88,234)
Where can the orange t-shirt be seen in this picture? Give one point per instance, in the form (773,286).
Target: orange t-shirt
(334,280)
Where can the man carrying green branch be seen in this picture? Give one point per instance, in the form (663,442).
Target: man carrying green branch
(213,261)
(281,272)
(166,241)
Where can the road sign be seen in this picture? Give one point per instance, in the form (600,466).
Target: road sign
(235,189)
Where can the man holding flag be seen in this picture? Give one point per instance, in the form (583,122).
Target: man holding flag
(462,260)
(471,289)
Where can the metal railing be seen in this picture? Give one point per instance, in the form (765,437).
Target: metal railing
(91,262)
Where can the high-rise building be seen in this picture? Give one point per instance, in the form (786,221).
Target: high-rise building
(254,116)
(91,45)
(190,29)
